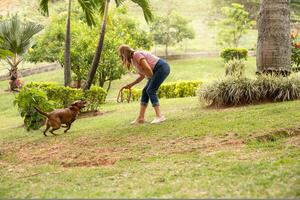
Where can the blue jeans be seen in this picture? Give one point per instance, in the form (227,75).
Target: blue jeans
(160,73)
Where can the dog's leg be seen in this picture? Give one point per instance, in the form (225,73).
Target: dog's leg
(47,128)
(53,129)
(68,127)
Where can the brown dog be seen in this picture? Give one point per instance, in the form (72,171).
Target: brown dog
(62,116)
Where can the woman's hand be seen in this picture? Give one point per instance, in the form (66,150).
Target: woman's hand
(128,86)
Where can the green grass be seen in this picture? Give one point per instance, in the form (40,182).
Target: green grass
(197,153)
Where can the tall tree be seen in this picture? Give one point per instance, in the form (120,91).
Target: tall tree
(104,7)
(234,24)
(88,7)
(17,38)
(273,45)
(171,29)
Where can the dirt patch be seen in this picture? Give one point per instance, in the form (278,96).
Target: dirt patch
(294,141)
(275,135)
(107,151)
(78,153)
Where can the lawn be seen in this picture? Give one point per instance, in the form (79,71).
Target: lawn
(198,152)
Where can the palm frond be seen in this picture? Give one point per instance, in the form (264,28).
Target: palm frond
(145,5)
(119,2)
(88,7)
(17,35)
(44,9)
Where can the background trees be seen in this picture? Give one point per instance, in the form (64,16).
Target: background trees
(88,7)
(49,46)
(104,7)
(233,26)
(16,38)
(170,29)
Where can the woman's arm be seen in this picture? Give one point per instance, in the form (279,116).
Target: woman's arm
(146,68)
(139,79)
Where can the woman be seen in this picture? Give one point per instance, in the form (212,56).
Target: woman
(151,67)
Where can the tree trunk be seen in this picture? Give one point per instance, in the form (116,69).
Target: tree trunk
(99,49)
(13,79)
(166,52)
(78,83)
(67,66)
(101,80)
(109,86)
(13,72)
(273,45)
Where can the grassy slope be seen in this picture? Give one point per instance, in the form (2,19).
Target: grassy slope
(198,152)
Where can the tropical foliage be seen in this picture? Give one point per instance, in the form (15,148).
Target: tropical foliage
(88,7)
(17,38)
(50,46)
(104,8)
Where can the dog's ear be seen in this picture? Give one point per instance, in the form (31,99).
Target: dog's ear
(74,104)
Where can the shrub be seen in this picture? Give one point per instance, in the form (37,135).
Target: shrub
(64,96)
(234,53)
(48,96)
(295,45)
(170,90)
(233,91)
(26,99)
(235,68)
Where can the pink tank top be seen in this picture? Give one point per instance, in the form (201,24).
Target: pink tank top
(150,58)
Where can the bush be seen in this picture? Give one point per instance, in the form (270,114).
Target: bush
(48,96)
(64,96)
(234,53)
(295,46)
(170,90)
(235,68)
(233,91)
(26,99)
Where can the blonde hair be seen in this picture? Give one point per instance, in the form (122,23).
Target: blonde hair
(126,53)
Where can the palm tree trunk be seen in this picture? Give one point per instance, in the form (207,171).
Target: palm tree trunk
(13,72)
(273,46)
(99,49)
(67,67)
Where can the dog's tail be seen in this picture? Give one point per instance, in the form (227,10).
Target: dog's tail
(41,112)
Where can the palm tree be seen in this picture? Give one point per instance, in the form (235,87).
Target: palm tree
(88,7)
(273,46)
(17,38)
(104,7)
(3,52)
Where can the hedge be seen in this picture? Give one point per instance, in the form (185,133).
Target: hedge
(234,53)
(171,90)
(64,96)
